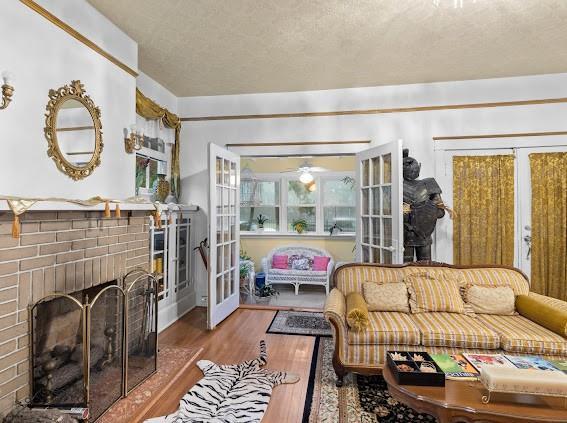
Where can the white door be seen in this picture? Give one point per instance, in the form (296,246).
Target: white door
(524,199)
(379,231)
(224,234)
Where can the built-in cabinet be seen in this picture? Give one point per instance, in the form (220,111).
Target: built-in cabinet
(171,259)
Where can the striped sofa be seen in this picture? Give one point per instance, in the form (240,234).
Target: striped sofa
(364,352)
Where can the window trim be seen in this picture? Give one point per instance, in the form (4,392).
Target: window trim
(319,206)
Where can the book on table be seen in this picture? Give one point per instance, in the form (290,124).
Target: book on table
(479,360)
(559,364)
(455,366)
(531,362)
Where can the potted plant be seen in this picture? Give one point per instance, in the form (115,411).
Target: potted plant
(261,219)
(264,294)
(299,225)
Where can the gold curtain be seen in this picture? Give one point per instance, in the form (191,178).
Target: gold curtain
(149,109)
(483,199)
(549,224)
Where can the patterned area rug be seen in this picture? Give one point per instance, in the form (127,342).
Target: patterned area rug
(361,399)
(300,323)
(172,361)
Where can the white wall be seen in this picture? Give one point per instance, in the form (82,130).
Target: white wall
(157,92)
(44,57)
(415,128)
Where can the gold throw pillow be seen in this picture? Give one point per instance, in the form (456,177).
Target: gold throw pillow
(429,293)
(491,299)
(386,296)
(543,314)
(357,312)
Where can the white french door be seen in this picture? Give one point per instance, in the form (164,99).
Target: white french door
(224,234)
(379,231)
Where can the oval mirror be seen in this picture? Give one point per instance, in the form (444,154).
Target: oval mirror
(73,131)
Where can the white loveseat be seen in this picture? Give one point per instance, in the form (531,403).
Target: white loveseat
(297,277)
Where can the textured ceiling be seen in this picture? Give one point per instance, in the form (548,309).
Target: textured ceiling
(212,47)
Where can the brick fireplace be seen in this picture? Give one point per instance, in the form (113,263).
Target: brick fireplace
(58,251)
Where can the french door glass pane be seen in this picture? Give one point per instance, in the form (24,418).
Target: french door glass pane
(306,213)
(344,217)
(218,170)
(365,254)
(387,201)
(219,259)
(365,230)
(376,171)
(387,168)
(365,173)
(375,255)
(226,172)
(365,201)
(232,174)
(376,230)
(386,257)
(219,289)
(219,229)
(248,216)
(387,232)
(375,202)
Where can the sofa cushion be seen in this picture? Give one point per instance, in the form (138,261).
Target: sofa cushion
(386,296)
(290,275)
(491,299)
(430,293)
(521,335)
(387,328)
(455,330)
(495,276)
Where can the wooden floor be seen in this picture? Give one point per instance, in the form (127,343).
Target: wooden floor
(235,340)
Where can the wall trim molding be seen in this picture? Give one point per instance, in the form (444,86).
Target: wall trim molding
(287,144)
(511,135)
(78,36)
(380,111)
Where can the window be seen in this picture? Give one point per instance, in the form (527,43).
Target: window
(301,205)
(259,197)
(339,204)
(284,201)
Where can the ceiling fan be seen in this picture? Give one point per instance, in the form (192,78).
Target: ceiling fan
(306,171)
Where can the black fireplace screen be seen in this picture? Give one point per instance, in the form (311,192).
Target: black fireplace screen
(118,323)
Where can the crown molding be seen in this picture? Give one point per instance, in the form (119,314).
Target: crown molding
(510,135)
(78,36)
(380,111)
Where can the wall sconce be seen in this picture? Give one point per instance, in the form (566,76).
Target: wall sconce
(7,89)
(134,141)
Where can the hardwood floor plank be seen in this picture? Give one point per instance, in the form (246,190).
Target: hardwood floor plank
(235,340)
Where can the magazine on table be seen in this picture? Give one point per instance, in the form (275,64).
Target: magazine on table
(479,360)
(455,366)
(560,364)
(531,362)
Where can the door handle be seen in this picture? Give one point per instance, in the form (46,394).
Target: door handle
(391,249)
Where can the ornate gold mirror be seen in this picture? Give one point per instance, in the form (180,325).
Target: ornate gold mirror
(73,130)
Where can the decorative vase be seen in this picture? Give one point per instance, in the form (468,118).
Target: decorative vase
(260,229)
(162,189)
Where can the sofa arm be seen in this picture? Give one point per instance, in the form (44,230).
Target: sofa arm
(335,313)
(548,312)
(330,267)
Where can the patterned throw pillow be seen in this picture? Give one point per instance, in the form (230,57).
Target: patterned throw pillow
(434,293)
(491,299)
(386,296)
(299,262)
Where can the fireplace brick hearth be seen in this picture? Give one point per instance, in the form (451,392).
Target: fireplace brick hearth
(58,251)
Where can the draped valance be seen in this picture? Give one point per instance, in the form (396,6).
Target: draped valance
(149,109)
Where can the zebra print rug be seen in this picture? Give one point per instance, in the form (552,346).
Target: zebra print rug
(236,393)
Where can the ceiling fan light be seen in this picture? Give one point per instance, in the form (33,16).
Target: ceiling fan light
(306,177)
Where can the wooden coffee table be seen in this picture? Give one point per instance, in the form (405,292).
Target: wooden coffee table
(460,401)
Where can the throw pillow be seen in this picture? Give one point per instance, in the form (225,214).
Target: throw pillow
(320,263)
(491,299)
(386,296)
(434,293)
(279,261)
(357,312)
(544,314)
(300,262)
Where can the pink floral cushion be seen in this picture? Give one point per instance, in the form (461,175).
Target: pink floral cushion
(279,261)
(320,262)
